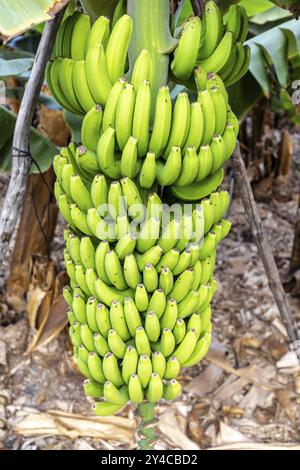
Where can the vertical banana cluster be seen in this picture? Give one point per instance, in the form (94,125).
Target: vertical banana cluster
(141,271)
(215,43)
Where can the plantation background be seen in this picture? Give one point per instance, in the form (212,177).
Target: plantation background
(245,394)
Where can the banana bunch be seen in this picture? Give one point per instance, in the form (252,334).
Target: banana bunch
(214,43)
(139,300)
(88,60)
(141,274)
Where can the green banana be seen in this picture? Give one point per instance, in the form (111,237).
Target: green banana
(180,124)
(172,368)
(114,270)
(117,47)
(107,294)
(99,192)
(179,330)
(209,115)
(194,323)
(183,263)
(111,369)
(213,30)
(172,390)
(183,285)
(80,194)
(132,316)
(91,127)
(79,309)
(197,191)
(169,259)
(116,344)
(124,115)
(162,122)
(115,395)
(106,154)
(185,54)
(80,33)
(152,326)
(117,320)
(148,171)
(200,351)
(87,337)
(81,87)
(101,344)
(155,388)
(218,150)
(142,69)
(125,246)
(92,388)
(144,370)
(129,158)
(151,256)
(86,160)
(189,168)
(97,74)
(87,253)
(141,117)
(116,204)
(94,364)
(106,408)
(129,364)
(196,130)
(158,363)
(79,219)
(91,308)
(183,351)
(168,320)
(110,109)
(131,272)
(150,278)
(148,235)
(216,61)
(65,74)
(142,342)
(103,319)
(135,390)
(166,280)
(99,32)
(141,298)
(157,303)
(220,107)
(167,342)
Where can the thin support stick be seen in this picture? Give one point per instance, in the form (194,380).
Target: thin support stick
(265,252)
(21,163)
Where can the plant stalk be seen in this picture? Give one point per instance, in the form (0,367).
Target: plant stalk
(147,426)
(151,31)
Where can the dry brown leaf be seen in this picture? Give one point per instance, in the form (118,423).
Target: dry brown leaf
(169,427)
(52,125)
(229,435)
(53,324)
(250,373)
(257,446)
(206,382)
(54,422)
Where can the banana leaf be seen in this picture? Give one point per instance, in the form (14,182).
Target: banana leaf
(17,16)
(41,148)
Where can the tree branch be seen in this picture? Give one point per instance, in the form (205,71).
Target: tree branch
(265,252)
(21,164)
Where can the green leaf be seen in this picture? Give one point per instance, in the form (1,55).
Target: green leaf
(258,68)
(183,12)
(269,16)
(14,67)
(75,123)
(253,7)
(244,95)
(96,8)
(41,148)
(17,16)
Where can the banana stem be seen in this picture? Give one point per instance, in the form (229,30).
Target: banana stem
(151,31)
(147,426)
